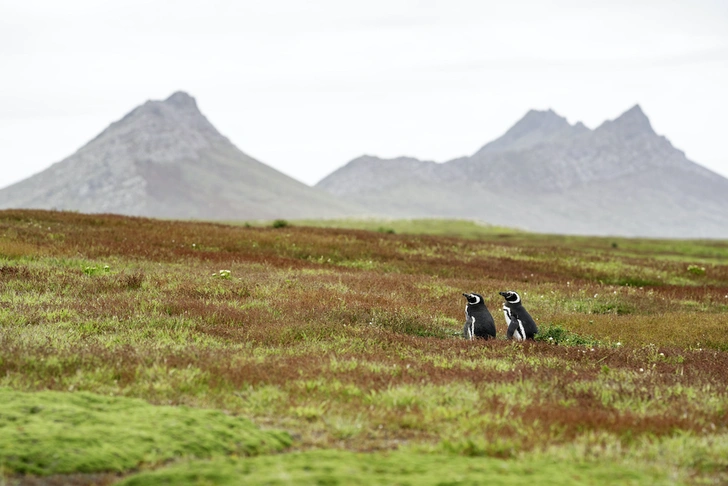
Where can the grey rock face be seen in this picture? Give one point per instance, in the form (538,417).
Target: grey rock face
(536,127)
(157,132)
(165,159)
(547,175)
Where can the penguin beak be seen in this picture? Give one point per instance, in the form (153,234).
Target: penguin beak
(466,295)
(503,293)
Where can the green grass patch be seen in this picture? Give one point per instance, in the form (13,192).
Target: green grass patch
(558,335)
(46,433)
(403,468)
(425,226)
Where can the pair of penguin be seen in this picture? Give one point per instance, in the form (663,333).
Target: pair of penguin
(480,324)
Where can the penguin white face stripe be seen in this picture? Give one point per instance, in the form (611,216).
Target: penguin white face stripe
(511,296)
(473,299)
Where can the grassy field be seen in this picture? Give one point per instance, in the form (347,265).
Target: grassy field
(154,352)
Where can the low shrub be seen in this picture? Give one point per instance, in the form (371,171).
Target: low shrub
(558,335)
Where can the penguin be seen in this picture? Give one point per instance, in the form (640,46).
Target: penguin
(521,325)
(478,321)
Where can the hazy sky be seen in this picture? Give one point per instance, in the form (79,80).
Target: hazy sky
(306,86)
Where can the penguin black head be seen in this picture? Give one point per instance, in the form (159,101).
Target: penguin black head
(511,297)
(474,299)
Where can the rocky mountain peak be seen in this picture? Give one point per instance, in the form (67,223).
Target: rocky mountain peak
(180,99)
(178,109)
(535,127)
(632,122)
(157,131)
(536,119)
(634,112)
(536,122)
(635,117)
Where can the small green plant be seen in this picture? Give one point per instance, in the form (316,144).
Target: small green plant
(280,223)
(223,274)
(96,270)
(308,413)
(382,229)
(635,282)
(556,334)
(619,308)
(696,270)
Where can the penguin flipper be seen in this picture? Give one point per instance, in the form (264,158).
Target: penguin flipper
(468,331)
(511,331)
(515,328)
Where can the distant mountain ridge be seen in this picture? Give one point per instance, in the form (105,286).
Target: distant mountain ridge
(547,175)
(165,159)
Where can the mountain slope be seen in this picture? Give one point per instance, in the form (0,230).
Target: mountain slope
(547,175)
(165,159)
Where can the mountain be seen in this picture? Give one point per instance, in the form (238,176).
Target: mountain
(547,175)
(165,159)
(534,128)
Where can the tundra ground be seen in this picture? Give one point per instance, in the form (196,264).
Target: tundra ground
(335,354)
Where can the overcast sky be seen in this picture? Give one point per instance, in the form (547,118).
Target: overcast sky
(306,86)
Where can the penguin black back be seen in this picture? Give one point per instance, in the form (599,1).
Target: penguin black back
(521,325)
(478,321)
